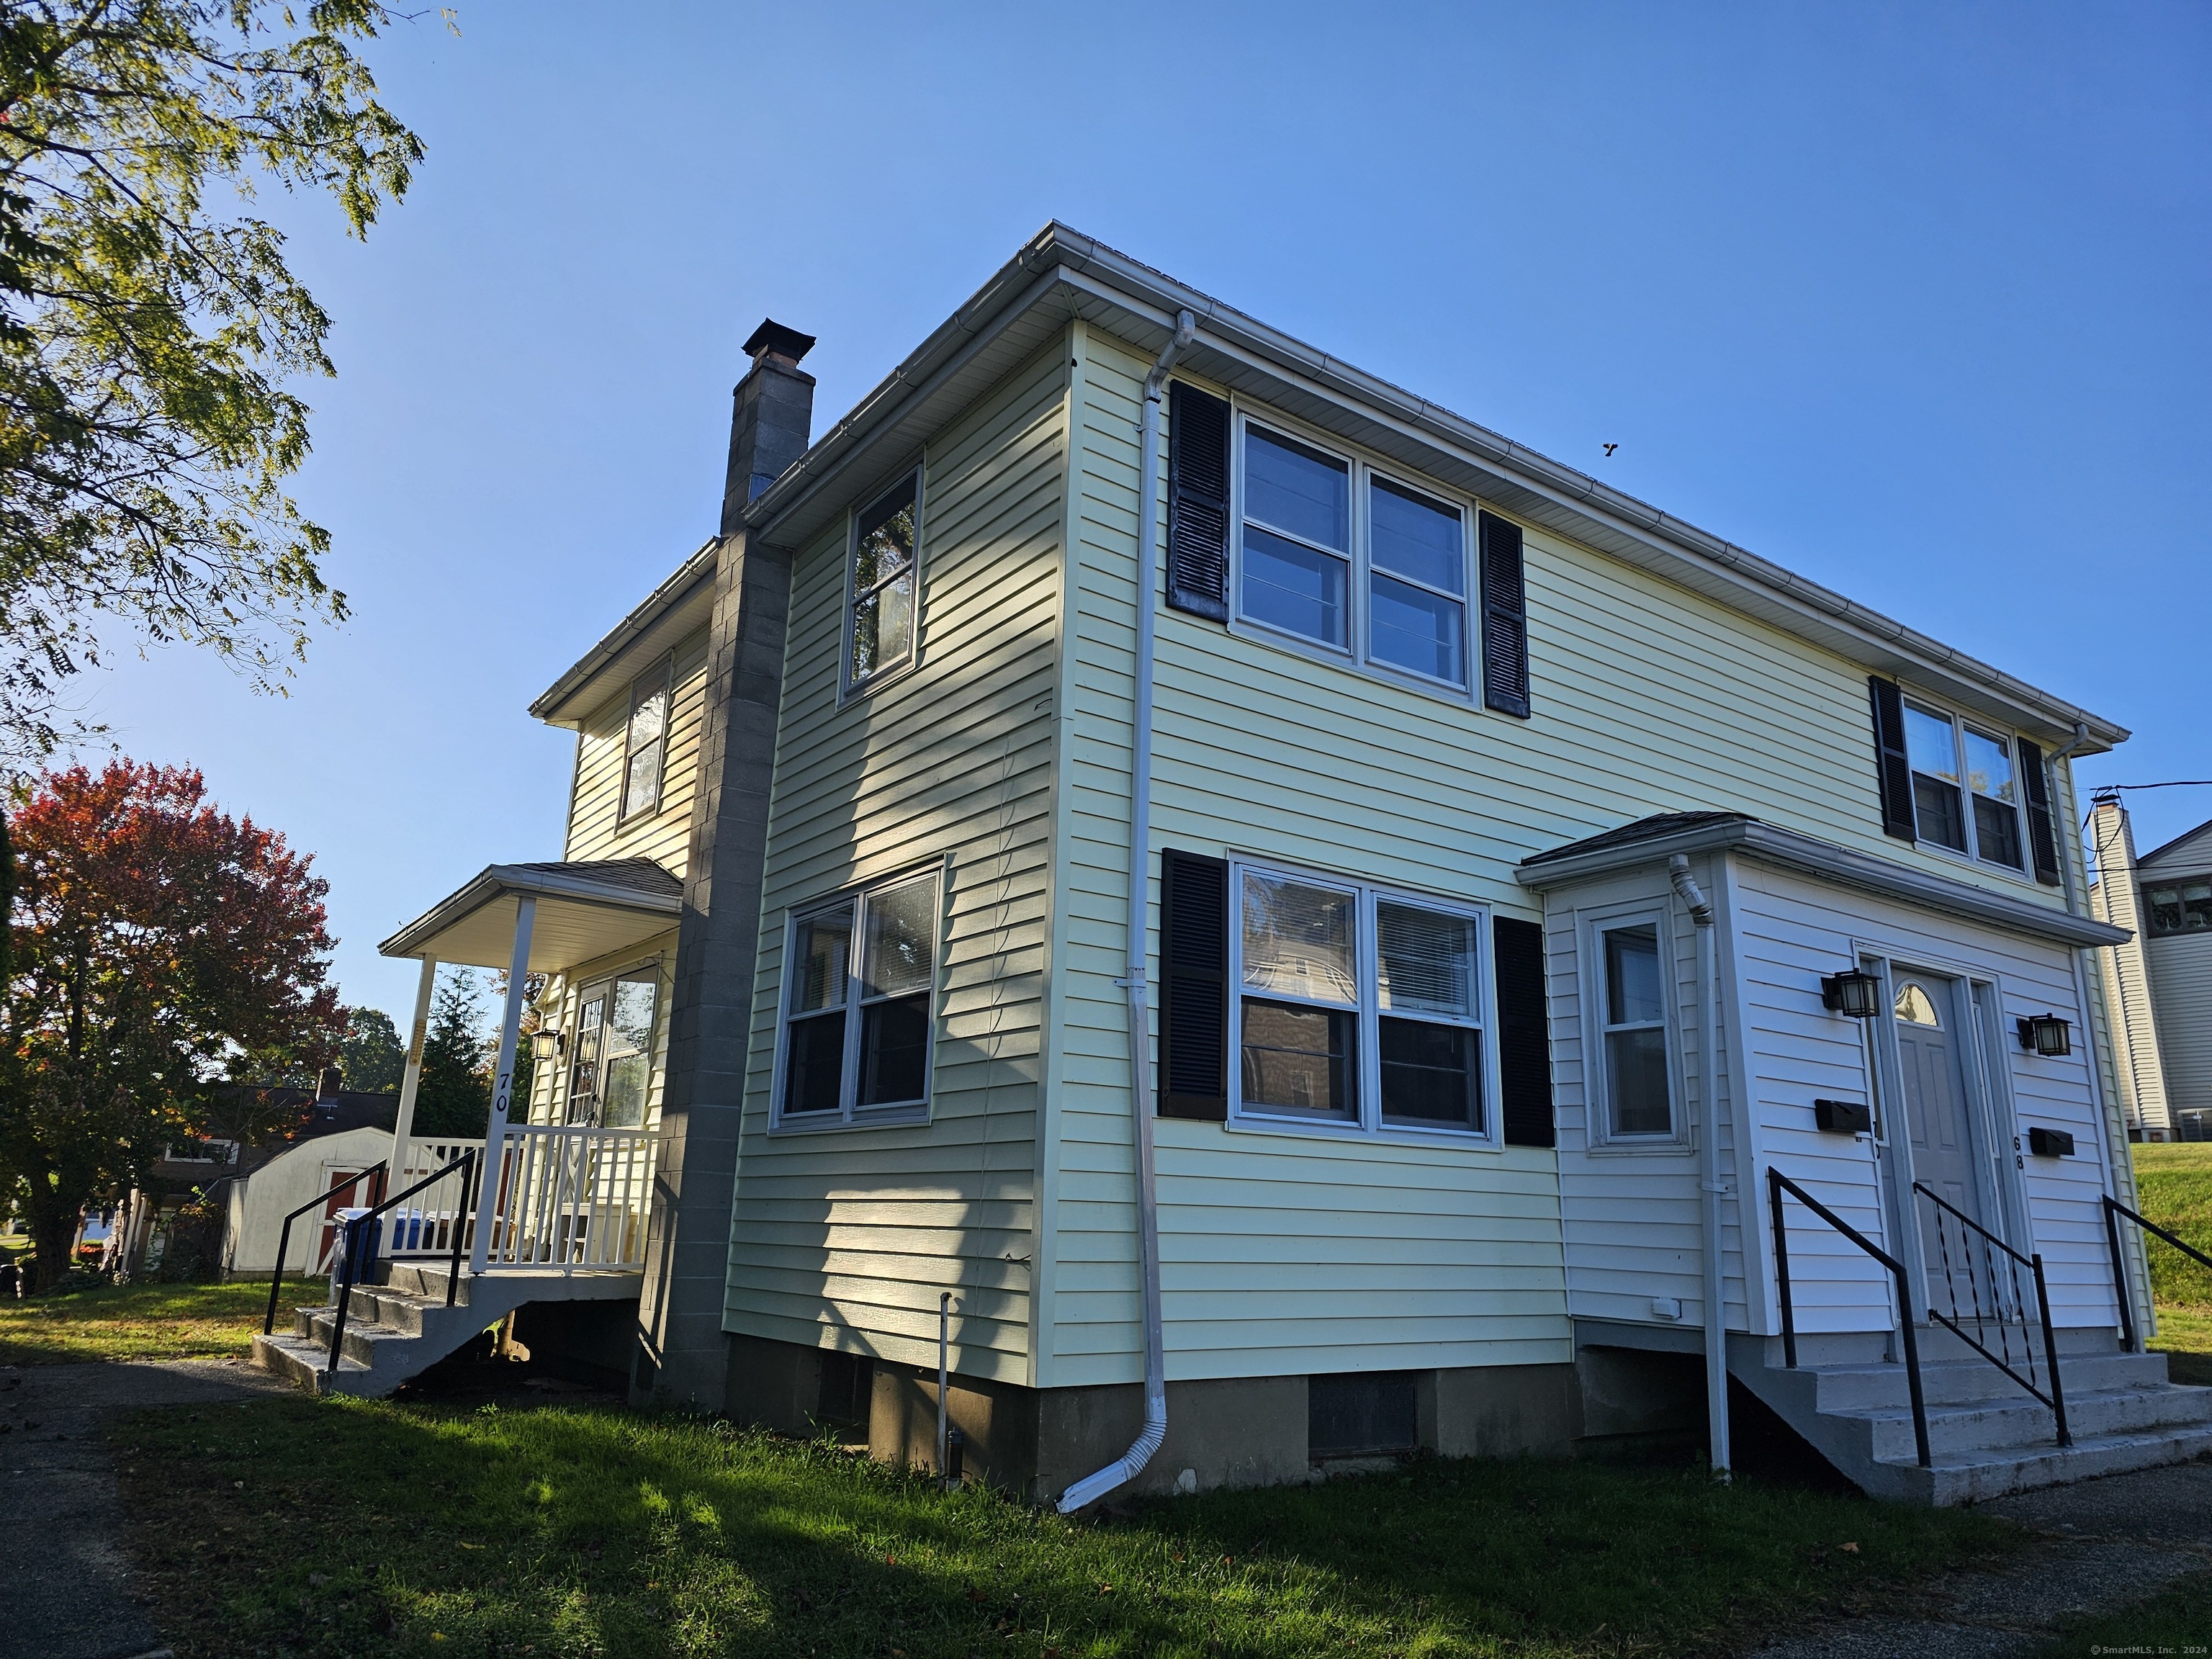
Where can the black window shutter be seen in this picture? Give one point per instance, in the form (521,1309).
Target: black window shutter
(2041,840)
(1896,771)
(1193,1072)
(1198,502)
(1504,619)
(1524,1047)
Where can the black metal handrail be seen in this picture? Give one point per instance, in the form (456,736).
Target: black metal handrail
(1777,1183)
(1997,1315)
(467,1162)
(2113,1211)
(284,1235)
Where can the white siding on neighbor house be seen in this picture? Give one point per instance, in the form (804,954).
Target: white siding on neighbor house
(596,829)
(2125,973)
(845,1238)
(1793,930)
(2180,967)
(1632,1215)
(1647,698)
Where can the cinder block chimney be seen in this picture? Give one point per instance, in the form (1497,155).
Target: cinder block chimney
(773,417)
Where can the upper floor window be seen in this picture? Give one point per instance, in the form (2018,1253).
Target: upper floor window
(1965,794)
(1357,1006)
(1337,553)
(2183,906)
(879,618)
(859,998)
(645,740)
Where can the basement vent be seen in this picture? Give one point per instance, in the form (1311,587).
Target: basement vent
(847,1380)
(1351,1414)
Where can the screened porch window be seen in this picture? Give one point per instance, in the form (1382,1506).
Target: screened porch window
(858,1008)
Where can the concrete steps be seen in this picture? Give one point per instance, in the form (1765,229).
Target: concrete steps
(400,1326)
(1986,1435)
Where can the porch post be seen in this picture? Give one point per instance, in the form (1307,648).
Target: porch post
(510,1029)
(403,1126)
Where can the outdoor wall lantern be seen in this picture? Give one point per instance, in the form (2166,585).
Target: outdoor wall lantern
(1854,995)
(545,1042)
(2046,1035)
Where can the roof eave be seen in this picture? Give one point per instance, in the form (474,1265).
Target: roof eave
(552,704)
(498,880)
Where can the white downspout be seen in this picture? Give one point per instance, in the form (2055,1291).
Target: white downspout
(1092,1487)
(1710,1182)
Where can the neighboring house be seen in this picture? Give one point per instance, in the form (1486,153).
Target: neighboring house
(1528,882)
(2160,981)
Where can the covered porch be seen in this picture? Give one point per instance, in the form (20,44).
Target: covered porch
(568,1190)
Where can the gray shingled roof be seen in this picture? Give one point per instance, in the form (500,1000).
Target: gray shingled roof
(1650,828)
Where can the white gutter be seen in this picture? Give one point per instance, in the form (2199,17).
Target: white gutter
(1710,1182)
(1092,1487)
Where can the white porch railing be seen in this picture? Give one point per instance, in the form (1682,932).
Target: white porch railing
(572,1196)
(423,1226)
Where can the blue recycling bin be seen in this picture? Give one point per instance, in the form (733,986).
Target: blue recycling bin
(359,1267)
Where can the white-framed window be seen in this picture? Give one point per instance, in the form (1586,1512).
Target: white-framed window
(1352,559)
(1630,1062)
(859,1000)
(609,1048)
(1966,786)
(645,739)
(1357,1005)
(883,585)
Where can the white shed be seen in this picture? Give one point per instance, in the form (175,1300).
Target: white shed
(259,1202)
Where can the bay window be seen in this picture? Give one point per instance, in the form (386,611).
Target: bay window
(859,1006)
(1357,1006)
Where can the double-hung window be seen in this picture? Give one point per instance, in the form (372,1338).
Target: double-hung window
(1965,794)
(1357,1007)
(859,1004)
(1637,1074)
(645,740)
(1338,554)
(879,615)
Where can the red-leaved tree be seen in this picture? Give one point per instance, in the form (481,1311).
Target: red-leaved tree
(152,934)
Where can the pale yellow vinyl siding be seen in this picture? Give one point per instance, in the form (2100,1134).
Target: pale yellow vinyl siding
(845,1238)
(596,830)
(1648,698)
(1279,1254)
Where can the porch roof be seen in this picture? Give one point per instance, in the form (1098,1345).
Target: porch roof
(1654,839)
(586,909)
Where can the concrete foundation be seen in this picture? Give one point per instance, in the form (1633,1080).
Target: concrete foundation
(1223,1432)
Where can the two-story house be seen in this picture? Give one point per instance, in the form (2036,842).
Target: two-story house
(1256,920)
(2158,982)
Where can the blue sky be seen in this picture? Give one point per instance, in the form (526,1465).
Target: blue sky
(1910,299)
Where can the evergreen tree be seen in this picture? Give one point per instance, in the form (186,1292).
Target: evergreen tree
(454,1096)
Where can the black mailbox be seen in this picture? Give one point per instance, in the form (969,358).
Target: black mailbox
(2049,1143)
(1843,1117)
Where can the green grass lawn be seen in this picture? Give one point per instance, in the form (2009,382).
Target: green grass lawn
(141,1322)
(2175,1184)
(327,1527)
(2178,1621)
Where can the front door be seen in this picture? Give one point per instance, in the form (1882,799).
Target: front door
(1936,1118)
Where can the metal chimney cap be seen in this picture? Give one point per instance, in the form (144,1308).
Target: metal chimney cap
(772,336)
